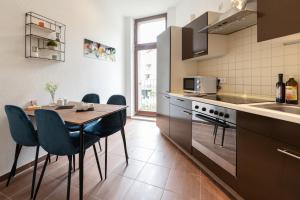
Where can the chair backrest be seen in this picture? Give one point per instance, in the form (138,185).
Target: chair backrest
(21,128)
(91,98)
(53,135)
(113,121)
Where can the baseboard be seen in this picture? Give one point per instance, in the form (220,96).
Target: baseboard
(22,168)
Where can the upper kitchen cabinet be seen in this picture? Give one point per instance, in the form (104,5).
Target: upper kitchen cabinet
(277,18)
(197,43)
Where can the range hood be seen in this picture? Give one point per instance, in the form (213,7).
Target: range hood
(234,19)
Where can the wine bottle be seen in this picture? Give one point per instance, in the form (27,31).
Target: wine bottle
(291,91)
(280,89)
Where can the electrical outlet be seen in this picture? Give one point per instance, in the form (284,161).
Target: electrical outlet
(222,80)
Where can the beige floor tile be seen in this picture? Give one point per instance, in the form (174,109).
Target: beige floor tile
(184,183)
(154,175)
(143,191)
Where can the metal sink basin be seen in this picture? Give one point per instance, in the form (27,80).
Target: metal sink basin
(280,107)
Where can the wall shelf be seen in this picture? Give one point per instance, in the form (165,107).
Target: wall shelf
(40,30)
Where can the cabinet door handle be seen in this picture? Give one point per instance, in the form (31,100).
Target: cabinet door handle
(199,52)
(167,97)
(286,152)
(189,113)
(180,100)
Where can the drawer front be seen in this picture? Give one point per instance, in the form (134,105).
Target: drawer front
(184,103)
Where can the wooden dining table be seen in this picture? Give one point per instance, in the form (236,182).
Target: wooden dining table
(82,118)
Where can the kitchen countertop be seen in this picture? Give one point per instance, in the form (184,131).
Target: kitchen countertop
(247,108)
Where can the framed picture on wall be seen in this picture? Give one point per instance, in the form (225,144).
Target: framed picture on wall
(99,51)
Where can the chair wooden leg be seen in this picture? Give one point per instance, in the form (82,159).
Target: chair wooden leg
(69,177)
(97,160)
(14,166)
(99,145)
(124,143)
(105,158)
(41,177)
(74,163)
(34,170)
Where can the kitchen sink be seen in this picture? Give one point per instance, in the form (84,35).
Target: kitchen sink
(280,107)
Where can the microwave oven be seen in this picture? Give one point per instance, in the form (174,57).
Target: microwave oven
(200,84)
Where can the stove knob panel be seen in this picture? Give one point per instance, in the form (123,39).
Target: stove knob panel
(211,111)
(216,112)
(197,107)
(221,114)
(203,109)
(226,115)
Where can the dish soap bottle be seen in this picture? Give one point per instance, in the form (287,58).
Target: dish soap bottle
(280,89)
(291,91)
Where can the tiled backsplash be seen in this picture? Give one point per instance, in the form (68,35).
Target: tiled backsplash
(252,68)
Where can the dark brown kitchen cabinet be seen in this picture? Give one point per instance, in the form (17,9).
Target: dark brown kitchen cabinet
(268,152)
(258,166)
(290,175)
(163,113)
(277,18)
(194,41)
(181,126)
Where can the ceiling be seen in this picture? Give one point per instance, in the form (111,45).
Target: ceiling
(141,8)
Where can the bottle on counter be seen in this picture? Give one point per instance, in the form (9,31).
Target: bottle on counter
(291,91)
(280,89)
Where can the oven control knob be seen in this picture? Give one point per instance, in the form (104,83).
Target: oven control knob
(216,112)
(203,109)
(196,107)
(226,115)
(221,114)
(211,111)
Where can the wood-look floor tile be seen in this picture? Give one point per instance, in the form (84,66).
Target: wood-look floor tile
(132,170)
(154,175)
(209,191)
(154,161)
(114,187)
(168,195)
(143,191)
(184,183)
(3,197)
(183,163)
(140,154)
(17,183)
(162,158)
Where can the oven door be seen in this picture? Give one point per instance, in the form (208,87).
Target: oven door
(216,140)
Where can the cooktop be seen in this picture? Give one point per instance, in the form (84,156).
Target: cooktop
(234,99)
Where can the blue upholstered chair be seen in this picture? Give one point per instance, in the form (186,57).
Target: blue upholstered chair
(56,139)
(24,134)
(88,98)
(110,124)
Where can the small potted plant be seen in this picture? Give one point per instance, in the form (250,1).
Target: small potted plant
(51,88)
(51,44)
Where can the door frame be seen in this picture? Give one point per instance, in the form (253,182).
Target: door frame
(138,47)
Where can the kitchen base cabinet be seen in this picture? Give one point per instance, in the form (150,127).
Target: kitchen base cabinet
(268,158)
(290,176)
(181,126)
(258,166)
(163,113)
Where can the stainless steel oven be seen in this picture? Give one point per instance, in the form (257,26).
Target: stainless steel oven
(214,134)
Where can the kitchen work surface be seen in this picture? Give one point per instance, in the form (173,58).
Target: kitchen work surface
(249,105)
(156,170)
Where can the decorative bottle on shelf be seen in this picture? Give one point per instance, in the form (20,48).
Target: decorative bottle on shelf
(291,91)
(280,89)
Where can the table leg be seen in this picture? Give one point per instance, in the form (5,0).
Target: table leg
(81,156)
(123,137)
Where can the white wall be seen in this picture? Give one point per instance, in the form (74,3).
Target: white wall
(22,80)
(186,8)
